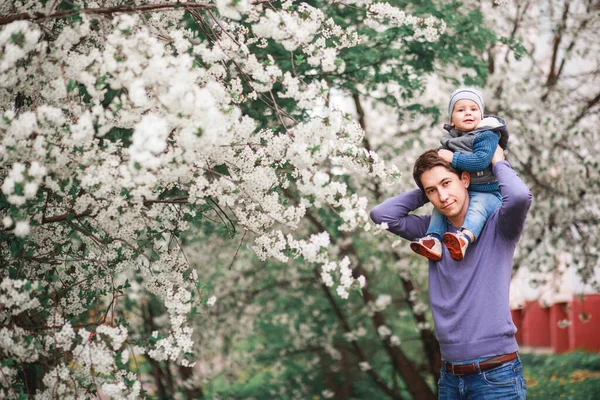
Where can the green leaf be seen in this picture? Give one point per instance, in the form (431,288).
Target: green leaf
(71,85)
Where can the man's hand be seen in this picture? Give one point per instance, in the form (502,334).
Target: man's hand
(446,155)
(498,155)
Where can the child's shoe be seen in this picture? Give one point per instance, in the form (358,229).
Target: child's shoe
(429,247)
(457,244)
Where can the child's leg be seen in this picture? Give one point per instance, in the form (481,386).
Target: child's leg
(437,225)
(430,246)
(481,206)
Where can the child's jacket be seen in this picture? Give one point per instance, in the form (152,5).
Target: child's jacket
(473,151)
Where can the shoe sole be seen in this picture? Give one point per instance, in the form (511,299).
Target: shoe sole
(453,245)
(423,251)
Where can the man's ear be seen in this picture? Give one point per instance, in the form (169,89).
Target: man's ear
(465,177)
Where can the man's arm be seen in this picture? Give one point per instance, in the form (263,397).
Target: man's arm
(396,213)
(516,198)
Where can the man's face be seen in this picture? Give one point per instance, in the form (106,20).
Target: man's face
(447,192)
(466,115)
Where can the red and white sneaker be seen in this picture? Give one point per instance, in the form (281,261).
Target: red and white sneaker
(457,244)
(429,247)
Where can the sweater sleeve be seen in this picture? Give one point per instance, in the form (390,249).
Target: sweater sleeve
(396,211)
(484,146)
(516,200)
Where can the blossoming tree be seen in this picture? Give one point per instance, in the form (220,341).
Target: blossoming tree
(262,316)
(185,193)
(552,100)
(129,128)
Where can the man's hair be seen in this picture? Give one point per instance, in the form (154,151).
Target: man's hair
(427,161)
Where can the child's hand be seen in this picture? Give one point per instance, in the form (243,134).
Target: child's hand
(446,155)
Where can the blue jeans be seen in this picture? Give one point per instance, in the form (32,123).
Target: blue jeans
(481,206)
(503,382)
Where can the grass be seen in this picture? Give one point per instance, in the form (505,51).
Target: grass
(574,375)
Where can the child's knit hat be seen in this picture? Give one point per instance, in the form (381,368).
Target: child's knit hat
(465,94)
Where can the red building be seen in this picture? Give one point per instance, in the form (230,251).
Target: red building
(553,316)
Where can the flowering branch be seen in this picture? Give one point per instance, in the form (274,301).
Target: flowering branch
(38,16)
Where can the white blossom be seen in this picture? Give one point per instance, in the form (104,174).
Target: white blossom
(328,394)
(361,281)
(563,323)
(7,221)
(21,228)
(383,331)
(364,366)
(211,301)
(395,340)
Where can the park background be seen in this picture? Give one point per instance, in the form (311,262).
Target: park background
(186,187)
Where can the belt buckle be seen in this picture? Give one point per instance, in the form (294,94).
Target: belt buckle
(452,370)
(462,365)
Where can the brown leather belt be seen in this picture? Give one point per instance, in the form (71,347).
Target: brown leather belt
(465,369)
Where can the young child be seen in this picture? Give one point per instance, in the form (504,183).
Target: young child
(469,145)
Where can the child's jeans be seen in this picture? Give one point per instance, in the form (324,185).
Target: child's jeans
(481,206)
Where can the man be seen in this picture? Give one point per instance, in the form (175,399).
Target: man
(469,299)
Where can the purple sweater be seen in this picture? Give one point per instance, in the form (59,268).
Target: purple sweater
(469,298)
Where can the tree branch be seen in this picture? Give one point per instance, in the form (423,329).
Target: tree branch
(361,121)
(588,106)
(416,385)
(430,342)
(63,217)
(359,351)
(38,16)
(88,212)
(552,73)
(571,46)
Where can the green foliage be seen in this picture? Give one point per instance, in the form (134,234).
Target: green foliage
(375,62)
(293,306)
(574,375)
(465,44)
(515,45)
(119,134)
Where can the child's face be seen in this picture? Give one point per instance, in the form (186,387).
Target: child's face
(466,115)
